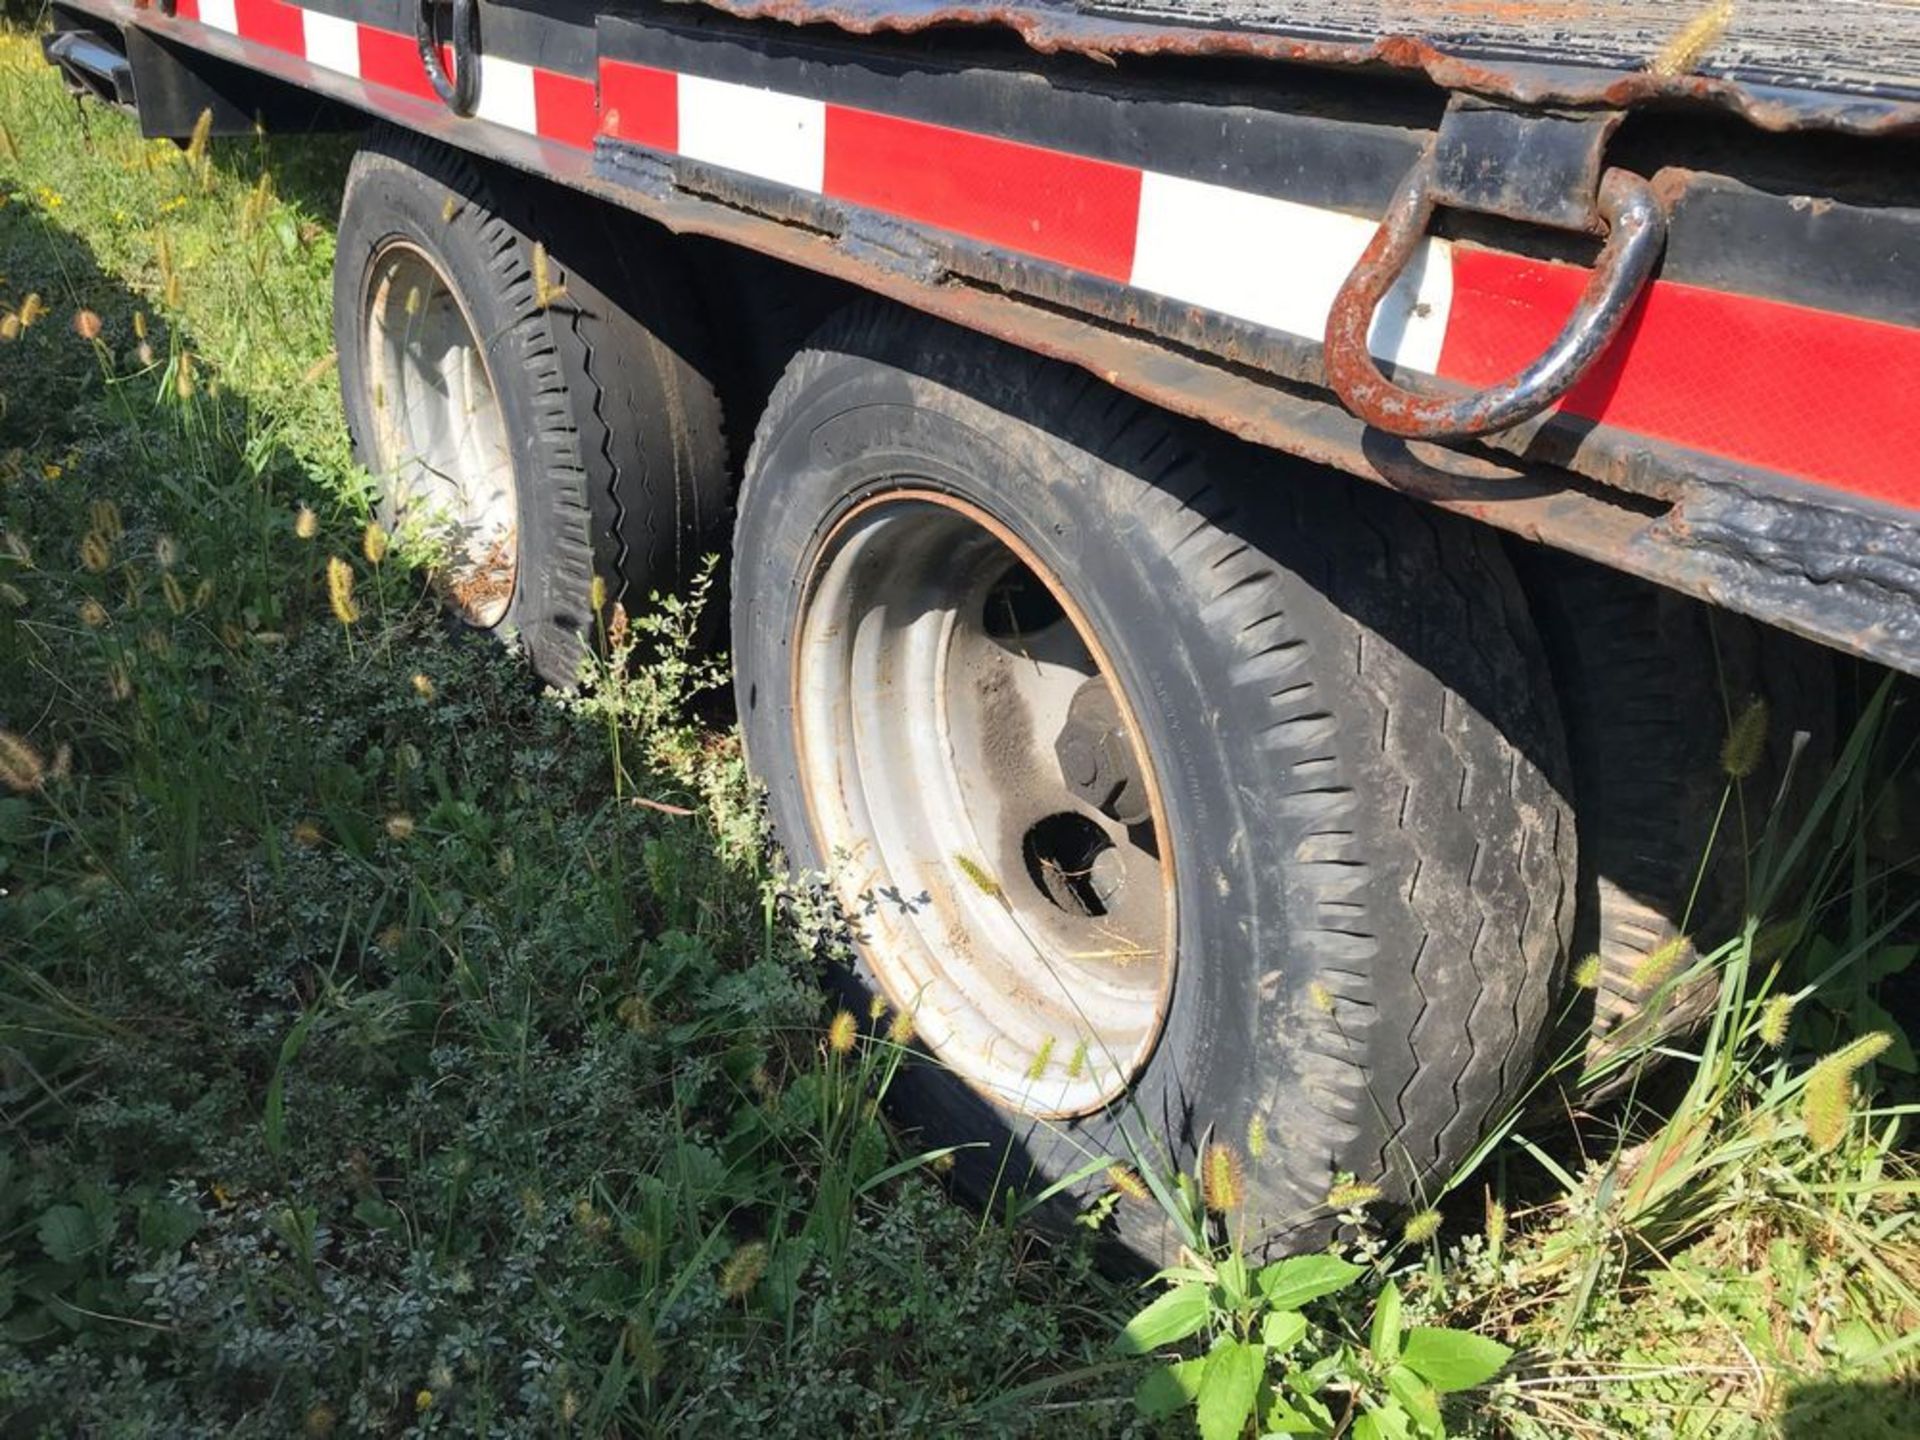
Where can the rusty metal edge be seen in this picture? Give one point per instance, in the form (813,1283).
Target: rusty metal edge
(1056,30)
(1706,538)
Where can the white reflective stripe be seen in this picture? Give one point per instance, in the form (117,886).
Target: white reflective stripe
(758,132)
(332,43)
(506,94)
(218,15)
(1279,263)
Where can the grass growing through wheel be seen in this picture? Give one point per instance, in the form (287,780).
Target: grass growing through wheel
(1732,1249)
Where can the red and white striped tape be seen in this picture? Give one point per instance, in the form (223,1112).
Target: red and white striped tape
(1810,393)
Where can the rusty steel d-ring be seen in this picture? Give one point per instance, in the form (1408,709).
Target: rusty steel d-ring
(461,90)
(1636,228)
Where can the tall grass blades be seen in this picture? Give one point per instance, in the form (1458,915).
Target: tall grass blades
(386,1047)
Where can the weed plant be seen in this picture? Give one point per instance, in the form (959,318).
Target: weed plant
(1736,1256)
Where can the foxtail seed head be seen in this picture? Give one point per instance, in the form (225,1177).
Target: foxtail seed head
(340,590)
(21,767)
(545,292)
(842,1031)
(1352,1195)
(1826,1101)
(1775,1019)
(1694,39)
(1586,975)
(96,551)
(1126,1180)
(197,142)
(1496,1224)
(1222,1180)
(977,875)
(1661,965)
(1746,741)
(373,543)
(1421,1228)
(1041,1059)
(743,1270)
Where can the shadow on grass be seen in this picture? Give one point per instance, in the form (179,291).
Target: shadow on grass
(310,171)
(1851,1410)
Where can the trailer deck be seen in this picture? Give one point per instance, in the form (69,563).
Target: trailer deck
(1185,232)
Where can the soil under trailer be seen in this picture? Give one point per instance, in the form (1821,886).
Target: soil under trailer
(1248,521)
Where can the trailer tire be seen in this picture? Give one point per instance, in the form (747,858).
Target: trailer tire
(1344,712)
(596,364)
(1650,683)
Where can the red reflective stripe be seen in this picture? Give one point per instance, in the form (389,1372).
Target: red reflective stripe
(565,108)
(1065,208)
(1805,392)
(393,60)
(273,23)
(641,104)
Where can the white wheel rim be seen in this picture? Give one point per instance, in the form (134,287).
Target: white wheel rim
(1026,931)
(445,466)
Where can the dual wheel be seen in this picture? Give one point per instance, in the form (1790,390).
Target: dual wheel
(1179,793)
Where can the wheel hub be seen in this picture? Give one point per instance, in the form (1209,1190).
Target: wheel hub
(1096,756)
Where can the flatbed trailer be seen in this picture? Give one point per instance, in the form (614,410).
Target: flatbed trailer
(1634,282)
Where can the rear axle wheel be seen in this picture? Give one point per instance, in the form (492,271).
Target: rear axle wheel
(1177,793)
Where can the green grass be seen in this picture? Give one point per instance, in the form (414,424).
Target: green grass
(386,1046)
(375,1052)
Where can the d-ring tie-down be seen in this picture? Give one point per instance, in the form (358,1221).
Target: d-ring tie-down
(461,90)
(1636,229)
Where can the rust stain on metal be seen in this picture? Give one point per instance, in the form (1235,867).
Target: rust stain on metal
(1636,229)
(1054,30)
(1607,505)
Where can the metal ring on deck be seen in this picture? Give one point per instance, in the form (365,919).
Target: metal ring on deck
(460,91)
(1636,228)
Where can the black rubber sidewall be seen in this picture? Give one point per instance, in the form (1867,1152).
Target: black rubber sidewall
(1357,752)
(390,202)
(865,437)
